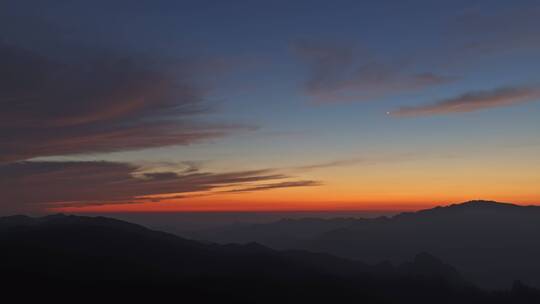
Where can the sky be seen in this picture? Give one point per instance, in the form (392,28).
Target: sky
(168,106)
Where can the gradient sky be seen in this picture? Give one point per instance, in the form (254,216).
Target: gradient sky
(267,105)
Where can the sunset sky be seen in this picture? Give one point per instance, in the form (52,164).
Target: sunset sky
(119,106)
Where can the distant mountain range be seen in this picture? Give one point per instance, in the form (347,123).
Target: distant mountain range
(491,243)
(102,259)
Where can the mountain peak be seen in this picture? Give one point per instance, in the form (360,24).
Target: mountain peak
(473,207)
(483,203)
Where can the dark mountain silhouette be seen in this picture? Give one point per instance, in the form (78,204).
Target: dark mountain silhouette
(100,259)
(491,243)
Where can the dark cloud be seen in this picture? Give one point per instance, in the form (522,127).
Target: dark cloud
(474,101)
(30,184)
(96,103)
(345,73)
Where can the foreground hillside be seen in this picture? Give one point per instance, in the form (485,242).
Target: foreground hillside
(491,243)
(101,258)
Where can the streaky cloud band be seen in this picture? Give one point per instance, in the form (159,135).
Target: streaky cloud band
(473,101)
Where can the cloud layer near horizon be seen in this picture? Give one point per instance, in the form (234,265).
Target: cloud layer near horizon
(473,101)
(82,183)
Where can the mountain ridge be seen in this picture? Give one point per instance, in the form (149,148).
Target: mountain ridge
(78,253)
(491,242)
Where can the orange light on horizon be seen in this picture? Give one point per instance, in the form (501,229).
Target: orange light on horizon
(251,204)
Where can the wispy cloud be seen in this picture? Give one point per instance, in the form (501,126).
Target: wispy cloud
(363,160)
(331,164)
(346,73)
(473,101)
(290,184)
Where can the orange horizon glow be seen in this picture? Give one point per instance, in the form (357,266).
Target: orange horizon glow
(219,204)
(266,207)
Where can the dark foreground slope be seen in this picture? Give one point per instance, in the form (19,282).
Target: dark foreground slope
(490,243)
(99,259)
